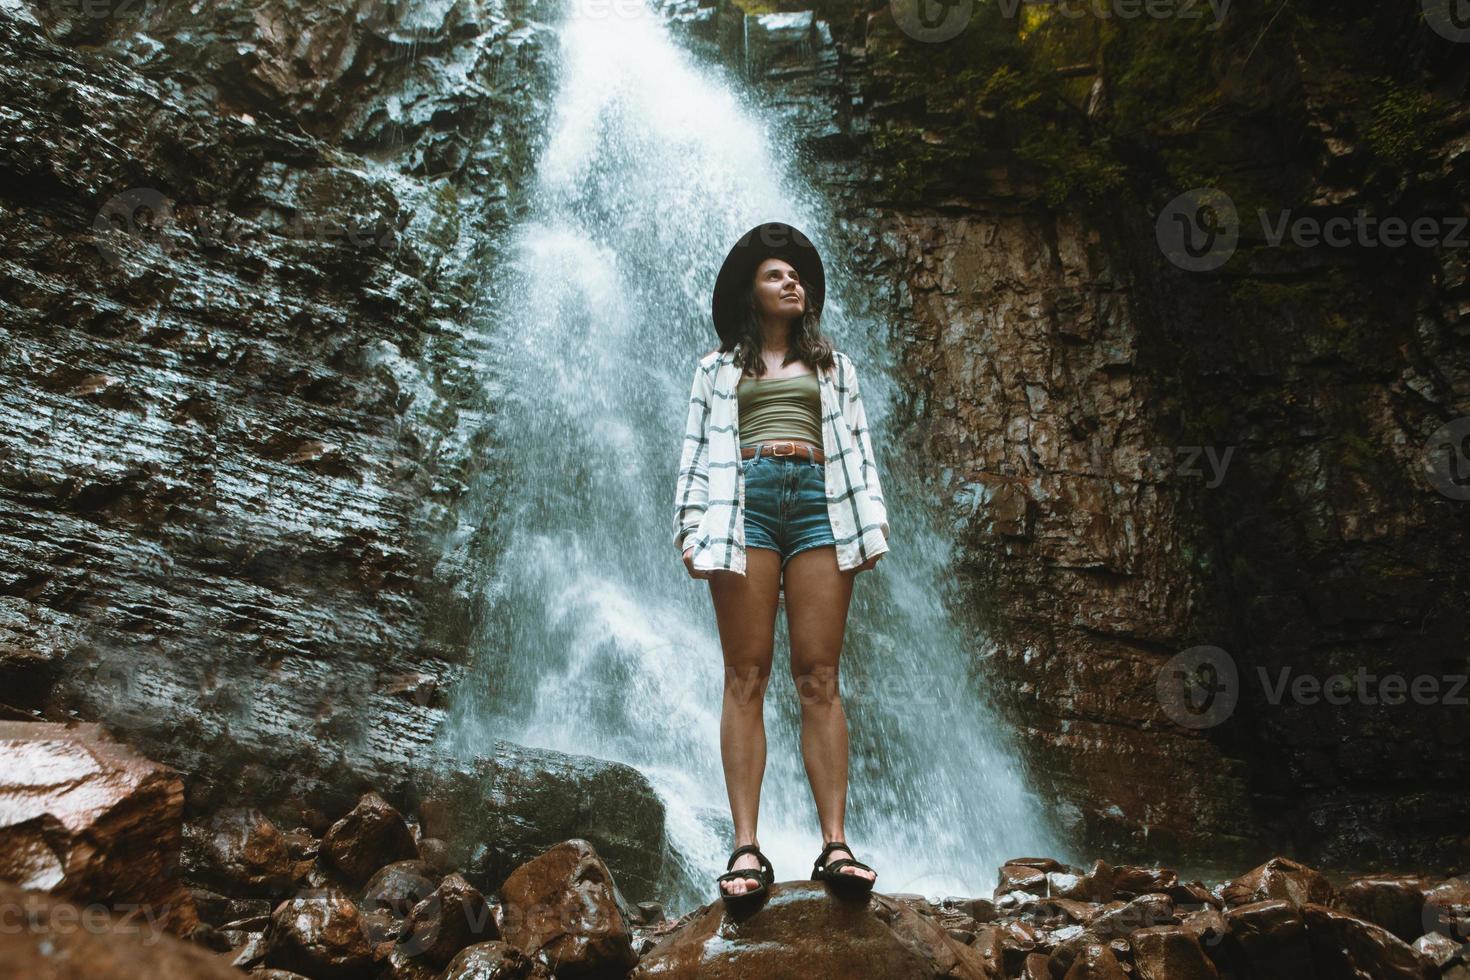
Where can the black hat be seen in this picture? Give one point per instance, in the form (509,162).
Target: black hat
(774,239)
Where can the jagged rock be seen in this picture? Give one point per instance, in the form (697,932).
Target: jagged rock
(1447,909)
(1395,902)
(399,886)
(64,941)
(1269,939)
(1280,878)
(1130,882)
(1095,961)
(86,817)
(1020,878)
(319,933)
(371,835)
(1346,946)
(802,930)
(1140,913)
(454,916)
(563,907)
(242,851)
(1170,953)
(492,960)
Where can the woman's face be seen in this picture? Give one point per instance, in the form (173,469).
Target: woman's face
(779,292)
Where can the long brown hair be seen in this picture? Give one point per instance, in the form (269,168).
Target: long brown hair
(807,342)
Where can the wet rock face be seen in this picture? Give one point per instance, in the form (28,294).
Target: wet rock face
(239,407)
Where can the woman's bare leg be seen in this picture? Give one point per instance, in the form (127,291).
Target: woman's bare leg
(817,597)
(745,609)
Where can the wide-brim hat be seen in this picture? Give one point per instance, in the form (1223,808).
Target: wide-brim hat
(773,239)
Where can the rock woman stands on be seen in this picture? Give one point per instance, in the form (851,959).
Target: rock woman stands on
(778,502)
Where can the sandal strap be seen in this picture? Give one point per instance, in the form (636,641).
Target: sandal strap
(765,872)
(831,846)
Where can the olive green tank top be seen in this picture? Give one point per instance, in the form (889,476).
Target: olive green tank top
(780,408)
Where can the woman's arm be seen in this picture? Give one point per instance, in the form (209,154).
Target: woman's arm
(858,422)
(691,491)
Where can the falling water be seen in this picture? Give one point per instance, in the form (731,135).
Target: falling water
(598,641)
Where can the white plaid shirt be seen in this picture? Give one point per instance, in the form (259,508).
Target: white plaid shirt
(709,497)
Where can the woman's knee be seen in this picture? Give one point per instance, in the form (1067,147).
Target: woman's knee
(816,684)
(746,683)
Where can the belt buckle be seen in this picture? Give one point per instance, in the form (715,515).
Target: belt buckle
(776,449)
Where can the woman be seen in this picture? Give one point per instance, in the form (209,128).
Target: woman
(778,502)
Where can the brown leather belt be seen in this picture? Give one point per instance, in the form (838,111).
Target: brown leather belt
(784,448)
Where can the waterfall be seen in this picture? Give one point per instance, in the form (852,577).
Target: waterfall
(597,641)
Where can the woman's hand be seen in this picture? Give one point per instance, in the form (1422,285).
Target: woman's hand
(869,563)
(689,564)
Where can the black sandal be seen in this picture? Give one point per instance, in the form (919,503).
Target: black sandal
(764,876)
(840,880)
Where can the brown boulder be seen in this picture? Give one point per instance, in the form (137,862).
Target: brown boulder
(1268,941)
(803,931)
(493,960)
(47,937)
(1141,913)
(454,916)
(319,933)
(564,905)
(1447,909)
(1170,953)
(1130,882)
(1279,878)
(399,886)
(241,851)
(1020,878)
(87,818)
(1346,946)
(371,835)
(1395,902)
(1095,961)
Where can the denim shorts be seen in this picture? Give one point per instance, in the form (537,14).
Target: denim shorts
(785,504)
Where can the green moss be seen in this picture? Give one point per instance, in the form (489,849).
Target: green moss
(1405,122)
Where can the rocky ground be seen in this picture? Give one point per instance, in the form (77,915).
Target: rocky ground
(113,883)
